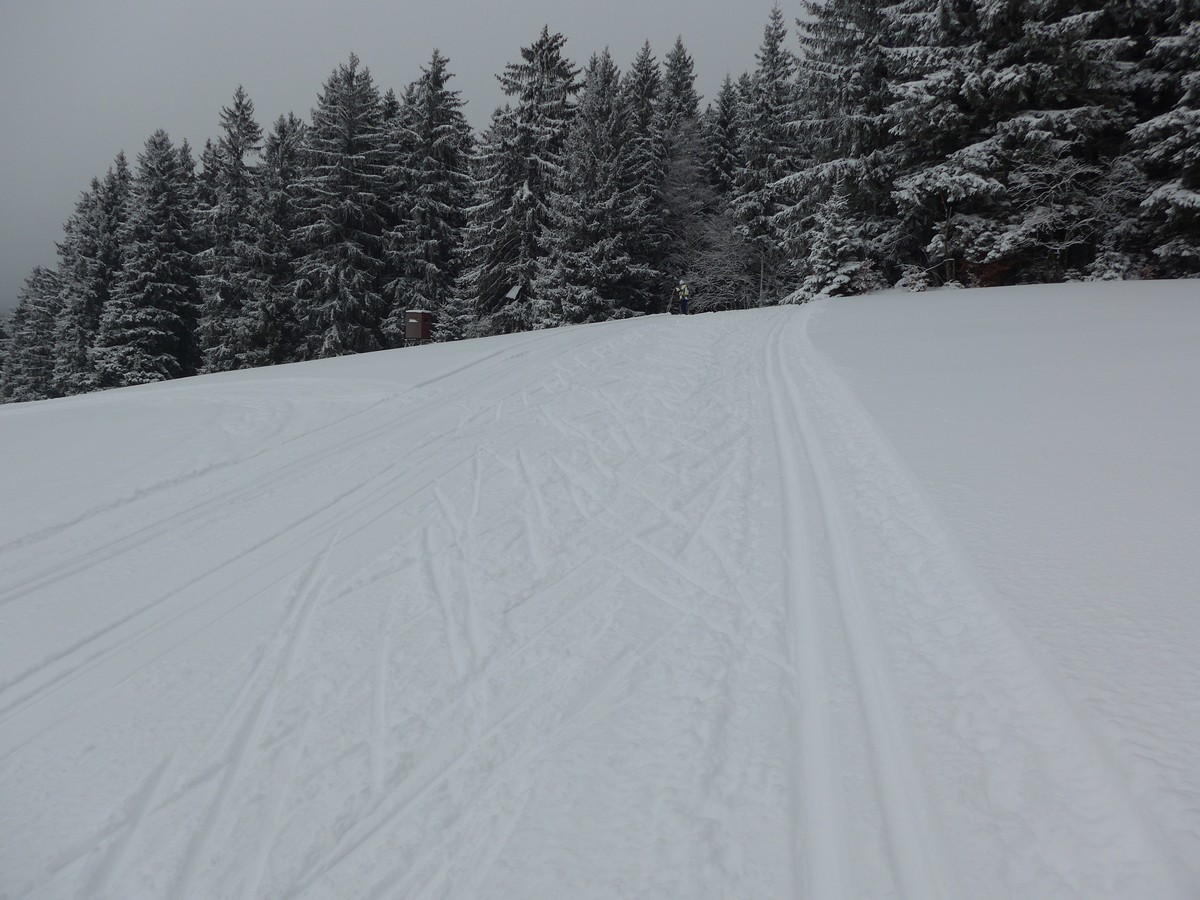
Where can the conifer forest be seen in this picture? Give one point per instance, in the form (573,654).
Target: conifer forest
(918,143)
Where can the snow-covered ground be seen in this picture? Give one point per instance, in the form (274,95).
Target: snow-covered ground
(893,596)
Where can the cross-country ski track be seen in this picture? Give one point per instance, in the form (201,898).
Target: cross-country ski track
(652,608)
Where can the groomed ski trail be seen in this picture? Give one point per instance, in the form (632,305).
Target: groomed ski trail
(946,683)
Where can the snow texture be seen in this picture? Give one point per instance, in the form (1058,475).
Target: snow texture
(875,597)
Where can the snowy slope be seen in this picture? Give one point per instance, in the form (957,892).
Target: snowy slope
(893,596)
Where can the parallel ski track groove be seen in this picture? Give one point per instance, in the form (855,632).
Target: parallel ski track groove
(268,834)
(820,858)
(140,806)
(918,859)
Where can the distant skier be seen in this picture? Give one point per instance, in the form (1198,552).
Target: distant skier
(679,297)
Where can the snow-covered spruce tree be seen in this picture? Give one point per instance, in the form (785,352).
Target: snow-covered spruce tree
(1037,118)
(1060,136)
(343,211)
(229,259)
(836,251)
(399,148)
(204,199)
(206,182)
(389,107)
(841,123)
(521,152)
(707,247)
(4,345)
(1120,37)
(72,335)
(767,155)
(935,57)
(722,139)
(491,241)
(545,86)
(641,95)
(274,329)
(148,327)
(28,372)
(724,275)
(1166,147)
(680,102)
(587,272)
(190,188)
(396,147)
(112,208)
(89,260)
(687,201)
(433,142)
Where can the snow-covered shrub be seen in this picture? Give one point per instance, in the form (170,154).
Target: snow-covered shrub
(866,278)
(1111,265)
(838,264)
(915,279)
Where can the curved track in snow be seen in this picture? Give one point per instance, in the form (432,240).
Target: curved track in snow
(643,609)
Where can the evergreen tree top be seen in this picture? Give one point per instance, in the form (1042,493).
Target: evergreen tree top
(680,100)
(644,78)
(120,168)
(432,90)
(390,106)
(437,73)
(187,159)
(286,134)
(599,105)
(545,76)
(242,135)
(775,61)
(349,91)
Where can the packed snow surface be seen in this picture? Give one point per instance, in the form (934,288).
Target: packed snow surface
(892,596)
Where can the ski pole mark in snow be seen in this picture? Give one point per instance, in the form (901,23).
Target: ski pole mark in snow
(457,647)
(135,496)
(139,806)
(534,530)
(447,511)
(725,631)
(586,697)
(262,656)
(69,677)
(268,834)
(246,744)
(463,547)
(379,704)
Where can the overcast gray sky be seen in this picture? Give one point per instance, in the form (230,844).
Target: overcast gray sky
(82,79)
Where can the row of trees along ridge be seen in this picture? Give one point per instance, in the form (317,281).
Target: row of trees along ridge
(919,142)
